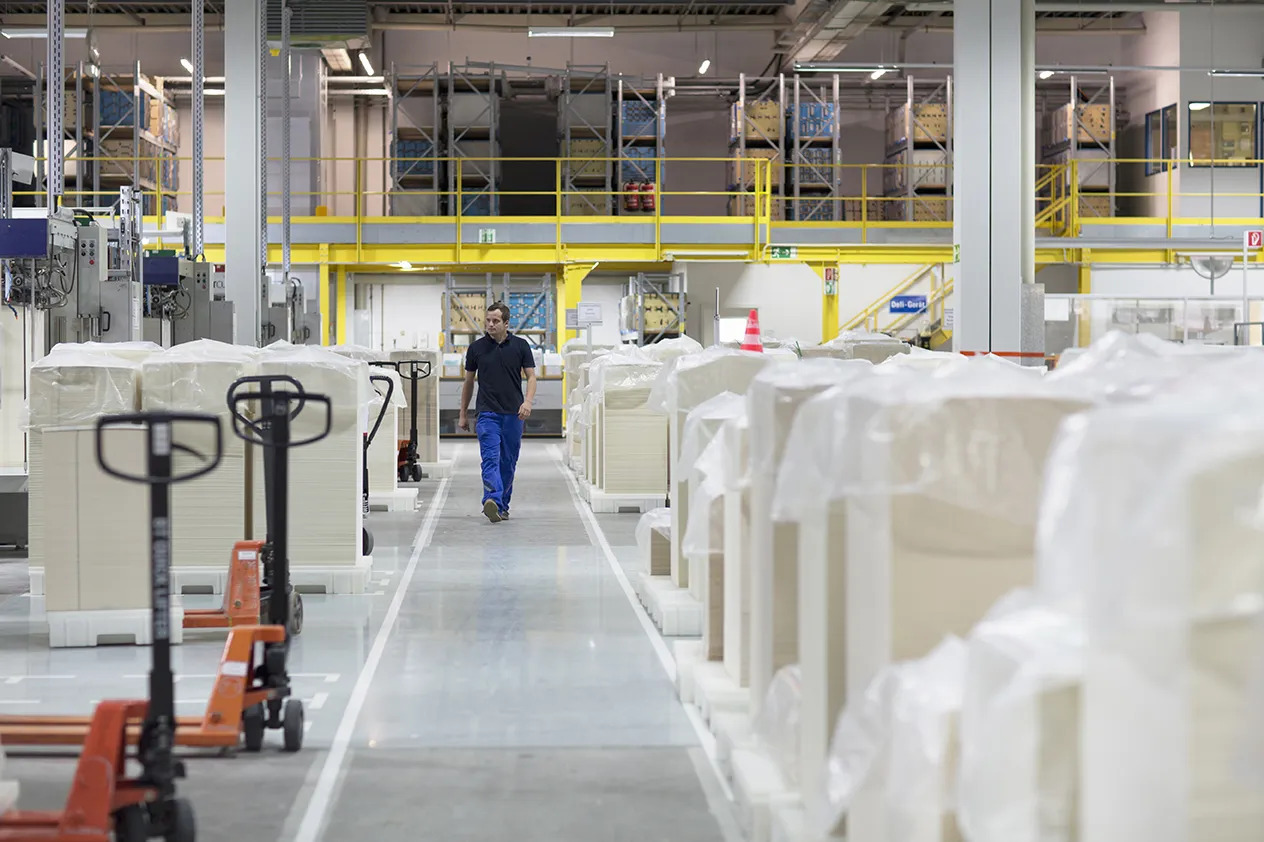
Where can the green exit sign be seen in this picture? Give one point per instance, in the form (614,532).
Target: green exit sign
(782,252)
(487,236)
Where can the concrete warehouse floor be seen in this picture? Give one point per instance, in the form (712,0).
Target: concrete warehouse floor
(495,683)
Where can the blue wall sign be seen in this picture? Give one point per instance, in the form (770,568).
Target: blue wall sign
(908,303)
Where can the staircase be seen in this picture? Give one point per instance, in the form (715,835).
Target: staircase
(923,328)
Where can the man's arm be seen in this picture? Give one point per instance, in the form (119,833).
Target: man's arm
(467,390)
(525,412)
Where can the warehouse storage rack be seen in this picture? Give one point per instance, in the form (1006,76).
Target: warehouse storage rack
(814,149)
(584,104)
(917,181)
(652,308)
(641,127)
(757,121)
(531,304)
(1079,143)
(415,160)
(473,124)
(119,130)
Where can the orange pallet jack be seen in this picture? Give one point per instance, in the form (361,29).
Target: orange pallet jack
(367,536)
(251,693)
(104,804)
(414,371)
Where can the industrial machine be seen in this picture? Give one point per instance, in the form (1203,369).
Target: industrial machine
(206,312)
(284,310)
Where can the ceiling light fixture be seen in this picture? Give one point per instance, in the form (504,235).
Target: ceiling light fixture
(570,32)
(364,62)
(41,33)
(1245,74)
(188,65)
(878,74)
(1046,74)
(704,67)
(1199,106)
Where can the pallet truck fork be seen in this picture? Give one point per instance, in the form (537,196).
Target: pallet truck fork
(104,805)
(252,690)
(414,371)
(367,539)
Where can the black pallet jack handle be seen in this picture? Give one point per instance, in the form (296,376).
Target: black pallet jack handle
(372,432)
(271,429)
(158,733)
(414,371)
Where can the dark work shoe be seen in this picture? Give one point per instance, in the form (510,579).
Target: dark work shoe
(491,510)
(504,515)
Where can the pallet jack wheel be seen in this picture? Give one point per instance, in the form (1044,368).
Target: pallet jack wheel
(252,727)
(403,473)
(415,472)
(296,613)
(293,724)
(183,822)
(366,541)
(131,824)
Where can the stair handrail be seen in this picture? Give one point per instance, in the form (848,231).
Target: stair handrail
(875,309)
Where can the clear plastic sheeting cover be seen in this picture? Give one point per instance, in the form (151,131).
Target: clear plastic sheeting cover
(1152,524)
(75,384)
(890,762)
(667,349)
(687,381)
(321,371)
(1019,765)
(363,353)
(135,351)
(923,359)
(975,437)
(195,376)
(378,390)
(776,727)
(1127,366)
(863,345)
(702,455)
(703,421)
(775,390)
(655,520)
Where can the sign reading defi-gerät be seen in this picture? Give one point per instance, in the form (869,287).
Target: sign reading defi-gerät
(908,303)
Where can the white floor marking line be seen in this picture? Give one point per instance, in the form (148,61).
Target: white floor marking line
(18,679)
(705,738)
(321,800)
(317,701)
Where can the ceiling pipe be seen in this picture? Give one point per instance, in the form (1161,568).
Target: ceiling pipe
(1091,6)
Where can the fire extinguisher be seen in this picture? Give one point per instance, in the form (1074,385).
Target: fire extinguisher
(647,196)
(631,196)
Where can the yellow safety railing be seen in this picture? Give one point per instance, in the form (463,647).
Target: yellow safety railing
(1070,197)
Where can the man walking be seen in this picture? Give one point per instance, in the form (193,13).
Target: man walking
(500,360)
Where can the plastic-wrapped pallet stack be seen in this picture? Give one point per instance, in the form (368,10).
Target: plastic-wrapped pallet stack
(939,479)
(88,531)
(209,513)
(632,457)
(325,477)
(427,404)
(653,541)
(703,544)
(735,441)
(682,386)
(859,345)
(773,400)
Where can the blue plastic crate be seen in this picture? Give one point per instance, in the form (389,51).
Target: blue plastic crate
(414,149)
(638,164)
(117,108)
(810,210)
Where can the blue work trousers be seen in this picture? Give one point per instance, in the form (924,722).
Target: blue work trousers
(499,439)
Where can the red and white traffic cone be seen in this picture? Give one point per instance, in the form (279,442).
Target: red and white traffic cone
(752,340)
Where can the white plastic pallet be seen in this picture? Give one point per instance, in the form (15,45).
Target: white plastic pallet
(332,578)
(37,581)
(732,732)
(715,692)
(199,579)
(399,500)
(758,785)
(437,470)
(86,628)
(585,489)
(603,503)
(688,654)
(675,611)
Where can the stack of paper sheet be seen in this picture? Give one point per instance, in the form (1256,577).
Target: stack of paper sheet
(325,479)
(208,513)
(688,382)
(703,544)
(89,531)
(633,439)
(773,400)
(653,541)
(859,345)
(735,438)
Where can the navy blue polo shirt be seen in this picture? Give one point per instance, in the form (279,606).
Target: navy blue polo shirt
(499,367)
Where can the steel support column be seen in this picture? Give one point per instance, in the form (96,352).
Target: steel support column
(244,185)
(199,82)
(56,100)
(994,174)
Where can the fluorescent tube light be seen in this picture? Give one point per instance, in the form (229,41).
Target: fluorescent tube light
(1046,74)
(570,32)
(364,62)
(1199,106)
(188,65)
(878,74)
(1247,74)
(41,33)
(704,67)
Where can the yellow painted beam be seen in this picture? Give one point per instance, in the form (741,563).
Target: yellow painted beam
(340,301)
(570,289)
(829,275)
(323,281)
